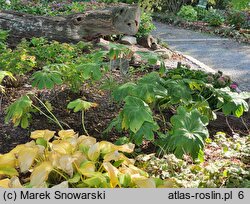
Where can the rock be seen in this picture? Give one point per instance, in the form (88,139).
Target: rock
(148,41)
(164,53)
(128,40)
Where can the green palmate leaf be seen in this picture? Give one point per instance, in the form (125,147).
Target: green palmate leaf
(145,132)
(178,91)
(80,105)
(46,79)
(135,113)
(188,133)
(90,71)
(124,90)
(232,102)
(18,112)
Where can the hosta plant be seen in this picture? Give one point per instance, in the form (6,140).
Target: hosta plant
(71,160)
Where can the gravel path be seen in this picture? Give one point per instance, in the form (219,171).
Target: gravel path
(231,57)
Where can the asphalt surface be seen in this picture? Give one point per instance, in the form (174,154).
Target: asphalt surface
(226,55)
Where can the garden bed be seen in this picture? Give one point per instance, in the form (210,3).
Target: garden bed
(110,115)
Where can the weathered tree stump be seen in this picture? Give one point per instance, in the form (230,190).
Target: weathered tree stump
(75,27)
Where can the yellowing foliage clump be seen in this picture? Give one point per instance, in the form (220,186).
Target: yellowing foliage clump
(76,161)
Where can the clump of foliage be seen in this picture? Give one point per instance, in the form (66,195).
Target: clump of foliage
(194,95)
(225,165)
(44,7)
(188,13)
(214,18)
(70,160)
(240,4)
(201,13)
(146,24)
(237,19)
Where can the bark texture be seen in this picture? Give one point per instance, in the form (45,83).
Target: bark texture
(73,28)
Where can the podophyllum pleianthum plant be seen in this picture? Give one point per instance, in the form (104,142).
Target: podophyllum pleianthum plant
(19,112)
(194,100)
(69,160)
(81,105)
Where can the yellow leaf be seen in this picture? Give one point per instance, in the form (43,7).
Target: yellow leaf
(65,163)
(86,140)
(94,152)
(4,183)
(115,155)
(7,160)
(62,147)
(54,158)
(127,161)
(87,167)
(40,174)
(169,183)
(133,171)
(129,148)
(106,147)
(23,146)
(26,158)
(15,182)
(112,172)
(79,157)
(145,183)
(67,133)
(45,134)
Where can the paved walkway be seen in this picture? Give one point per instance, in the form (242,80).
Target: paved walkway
(223,54)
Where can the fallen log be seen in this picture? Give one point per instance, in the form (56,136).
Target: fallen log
(75,27)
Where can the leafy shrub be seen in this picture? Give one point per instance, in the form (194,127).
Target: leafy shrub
(18,61)
(3,35)
(201,13)
(237,19)
(71,161)
(146,24)
(188,13)
(240,4)
(214,18)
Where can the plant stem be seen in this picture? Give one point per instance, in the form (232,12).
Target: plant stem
(83,126)
(53,116)
(43,113)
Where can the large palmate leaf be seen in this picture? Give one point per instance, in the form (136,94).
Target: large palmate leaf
(232,102)
(90,71)
(46,78)
(145,132)
(188,133)
(178,91)
(123,91)
(18,112)
(80,105)
(135,113)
